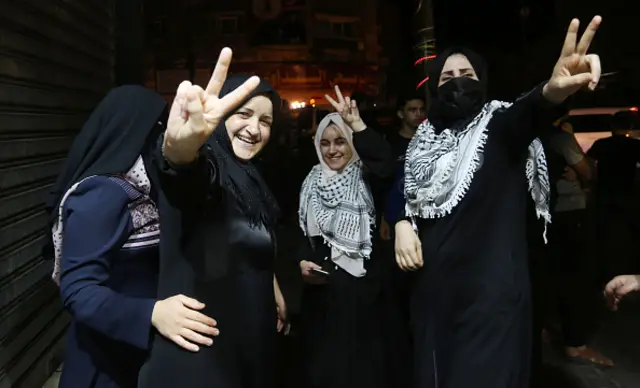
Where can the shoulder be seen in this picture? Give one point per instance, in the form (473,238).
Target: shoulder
(100,197)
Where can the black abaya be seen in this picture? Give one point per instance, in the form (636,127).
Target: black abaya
(471,303)
(217,246)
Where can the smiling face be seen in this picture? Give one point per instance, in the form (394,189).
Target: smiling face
(457,65)
(335,148)
(249,127)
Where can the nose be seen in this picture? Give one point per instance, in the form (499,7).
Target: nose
(333,149)
(253,126)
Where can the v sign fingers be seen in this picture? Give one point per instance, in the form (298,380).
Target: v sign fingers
(196,113)
(588,35)
(220,72)
(575,68)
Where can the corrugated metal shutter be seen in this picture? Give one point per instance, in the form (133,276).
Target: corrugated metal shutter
(56,63)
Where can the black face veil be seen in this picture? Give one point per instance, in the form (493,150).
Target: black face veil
(455,103)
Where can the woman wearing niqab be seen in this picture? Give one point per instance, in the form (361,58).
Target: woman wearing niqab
(104,243)
(467,172)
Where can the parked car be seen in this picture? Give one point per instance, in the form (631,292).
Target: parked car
(591,124)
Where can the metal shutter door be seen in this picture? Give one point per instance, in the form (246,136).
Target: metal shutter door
(56,63)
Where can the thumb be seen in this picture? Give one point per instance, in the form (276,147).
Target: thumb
(191,303)
(418,252)
(314,265)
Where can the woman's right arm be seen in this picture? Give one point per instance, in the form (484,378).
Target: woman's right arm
(97,222)
(187,185)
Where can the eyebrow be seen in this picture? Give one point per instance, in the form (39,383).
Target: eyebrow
(450,72)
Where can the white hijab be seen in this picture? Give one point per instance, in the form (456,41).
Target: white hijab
(338,205)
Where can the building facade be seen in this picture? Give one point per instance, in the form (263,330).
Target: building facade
(303,47)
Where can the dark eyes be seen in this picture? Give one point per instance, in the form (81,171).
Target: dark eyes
(246,115)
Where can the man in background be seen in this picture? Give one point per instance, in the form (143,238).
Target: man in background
(397,290)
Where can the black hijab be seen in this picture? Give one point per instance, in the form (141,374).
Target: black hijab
(109,142)
(440,110)
(241,178)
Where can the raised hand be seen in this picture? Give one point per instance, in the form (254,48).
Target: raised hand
(196,112)
(575,68)
(348,110)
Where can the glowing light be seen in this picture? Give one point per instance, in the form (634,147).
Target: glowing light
(422,82)
(633,109)
(424,59)
(312,101)
(298,104)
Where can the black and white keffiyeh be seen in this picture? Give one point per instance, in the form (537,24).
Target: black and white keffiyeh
(338,205)
(439,168)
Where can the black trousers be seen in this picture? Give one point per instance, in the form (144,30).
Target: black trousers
(571,271)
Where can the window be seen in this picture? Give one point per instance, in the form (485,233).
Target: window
(157,28)
(337,29)
(342,30)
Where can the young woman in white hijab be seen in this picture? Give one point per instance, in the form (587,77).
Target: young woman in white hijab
(340,304)
(467,172)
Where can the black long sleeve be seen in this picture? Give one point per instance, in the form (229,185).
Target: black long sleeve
(187,186)
(529,115)
(375,152)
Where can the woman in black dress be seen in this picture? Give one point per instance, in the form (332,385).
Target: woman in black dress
(467,172)
(341,318)
(217,232)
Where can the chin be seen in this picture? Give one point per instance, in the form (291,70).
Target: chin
(246,153)
(336,166)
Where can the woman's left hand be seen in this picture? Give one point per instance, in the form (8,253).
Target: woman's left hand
(575,68)
(281,309)
(348,110)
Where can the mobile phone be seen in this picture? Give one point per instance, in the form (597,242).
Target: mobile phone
(319,272)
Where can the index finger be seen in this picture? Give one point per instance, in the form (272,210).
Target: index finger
(569,47)
(339,94)
(233,99)
(589,33)
(191,303)
(220,72)
(332,102)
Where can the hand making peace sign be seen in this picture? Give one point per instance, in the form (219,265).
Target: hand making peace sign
(575,68)
(195,113)
(348,110)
